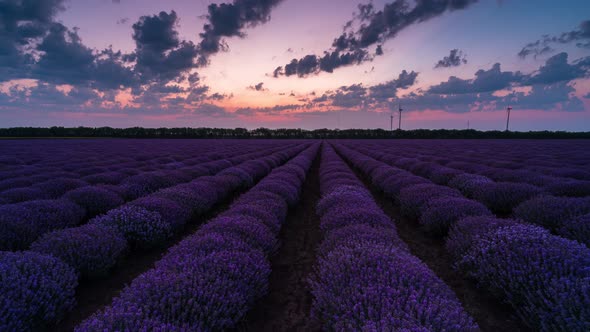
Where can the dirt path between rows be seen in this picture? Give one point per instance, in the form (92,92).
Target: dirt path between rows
(288,304)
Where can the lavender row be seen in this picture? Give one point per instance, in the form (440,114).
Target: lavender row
(129,182)
(564,216)
(86,162)
(545,278)
(417,160)
(84,157)
(58,259)
(365,278)
(23,223)
(210,280)
(564,159)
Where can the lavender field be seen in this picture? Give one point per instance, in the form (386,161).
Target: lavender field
(294,235)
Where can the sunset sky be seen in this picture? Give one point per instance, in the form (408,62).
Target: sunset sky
(295,63)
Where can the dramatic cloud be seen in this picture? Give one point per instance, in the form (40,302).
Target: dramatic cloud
(485,81)
(580,36)
(21,23)
(65,60)
(359,96)
(229,20)
(386,91)
(454,59)
(33,45)
(159,54)
(374,28)
(548,88)
(557,69)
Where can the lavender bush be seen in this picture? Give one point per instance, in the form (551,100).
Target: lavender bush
(368,287)
(440,213)
(552,212)
(92,250)
(545,278)
(35,290)
(577,229)
(142,228)
(23,223)
(95,200)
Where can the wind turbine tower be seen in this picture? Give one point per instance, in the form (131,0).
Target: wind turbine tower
(400,117)
(391,123)
(508,109)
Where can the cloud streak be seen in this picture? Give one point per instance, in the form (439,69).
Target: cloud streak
(579,36)
(374,27)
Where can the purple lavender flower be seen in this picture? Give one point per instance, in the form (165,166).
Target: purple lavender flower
(412,198)
(570,188)
(467,231)
(502,197)
(213,294)
(170,211)
(441,213)
(35,290)
(380,287)
(468,184)
(355,235)
(249,229)
(92,250)
(577,229)
(23,223)
(57,187)
(552,212)
(142,228)
(17,195)
(95,200)
(545,278)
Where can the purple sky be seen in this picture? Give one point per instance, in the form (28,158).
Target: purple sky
(286,63)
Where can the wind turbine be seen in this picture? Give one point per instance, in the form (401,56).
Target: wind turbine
(391,123)
(400,117)
(508,109)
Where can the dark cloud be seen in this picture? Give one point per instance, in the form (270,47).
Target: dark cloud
(65,60)
(580,36)
(229,20)
(454,59)
(159,54)
(350,96)
(359,96)
(374,28)
(33,45)
(385,91)
(123,20)
(21,23)
(485,81)
(557,69)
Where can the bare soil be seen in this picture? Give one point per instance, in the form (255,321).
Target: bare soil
(287,307)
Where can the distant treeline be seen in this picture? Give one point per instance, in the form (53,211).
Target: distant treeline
(138,132)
